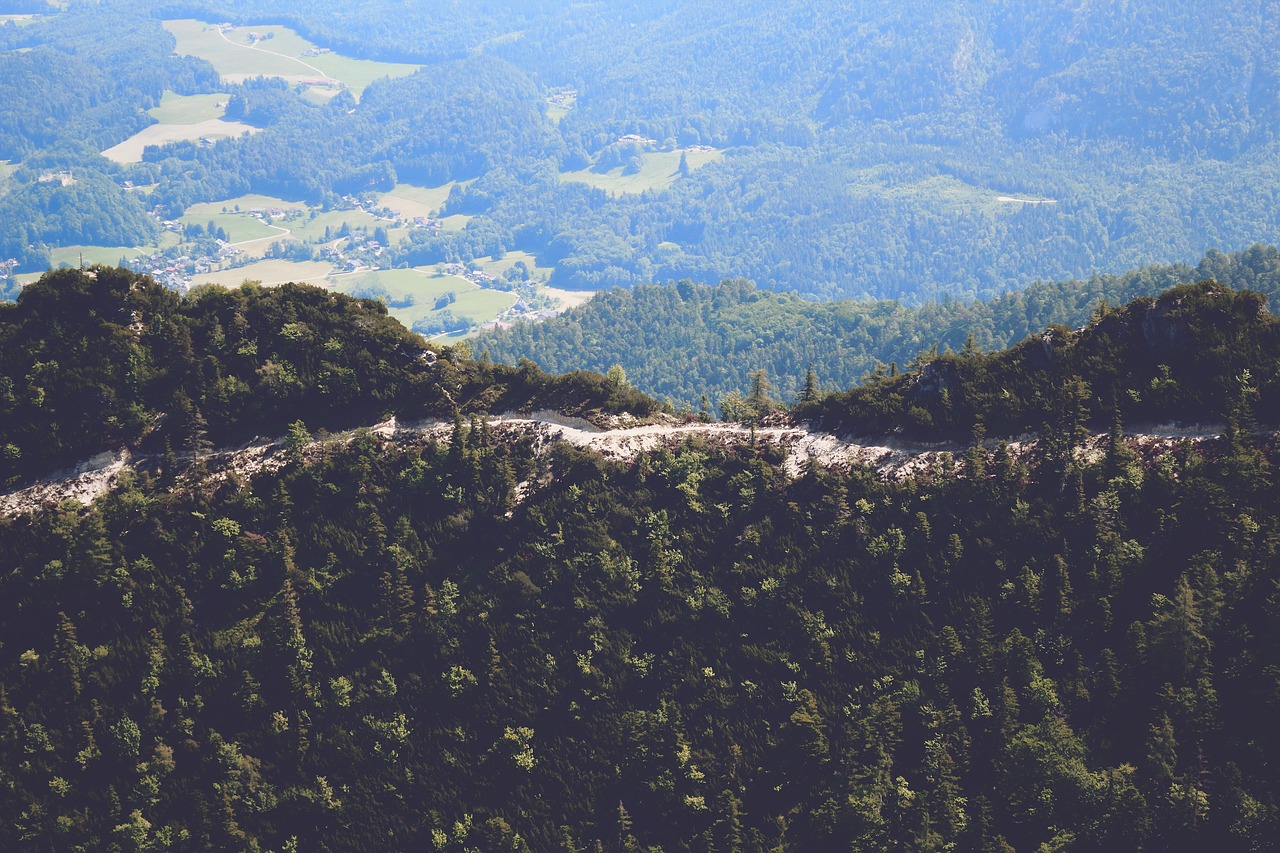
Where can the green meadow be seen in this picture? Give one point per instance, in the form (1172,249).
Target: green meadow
(237,57)
(273,271)
(423,286)
(658,170)
(188,109)
(239,227)
(410,201)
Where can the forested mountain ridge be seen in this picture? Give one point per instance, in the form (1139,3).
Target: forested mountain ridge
(684,342)
(98,359)
(1197,354)
(478,643)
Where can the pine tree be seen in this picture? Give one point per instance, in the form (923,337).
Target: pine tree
(809,393)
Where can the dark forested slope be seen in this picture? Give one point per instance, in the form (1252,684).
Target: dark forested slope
(92,360)
(686,341)
(484,645)
(1197,354)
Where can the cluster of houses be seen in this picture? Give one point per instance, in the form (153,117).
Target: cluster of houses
(392,217)
(564,98)
(642,141)
(176,273)
(476,277)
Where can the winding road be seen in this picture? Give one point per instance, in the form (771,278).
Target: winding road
(254,46)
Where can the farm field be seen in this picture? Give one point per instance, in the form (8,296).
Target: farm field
(456,222)
(280,55)
(569,298)
(69,256)
(499,267)
(421,285)
(239,227)
(659,170)
(188,109)
(359,73)
(130,151)
(268,272)
(410,201)
(244,204)
(313,230)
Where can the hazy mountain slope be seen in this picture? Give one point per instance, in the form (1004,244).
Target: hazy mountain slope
(686,341)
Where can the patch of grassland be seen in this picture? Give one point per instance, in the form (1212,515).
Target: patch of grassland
(273,271)
(499,267)
(411,201)
(480,305)
(658,170)
(238,226)
(359,73)
(7,169)
(69,256)
(188,109)
(231,55)
(237,57)
(423,287)
(244,204)
(312,230)
(130,151)
(456,222)
(319,95)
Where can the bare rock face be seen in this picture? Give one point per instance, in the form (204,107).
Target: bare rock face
(1162,330)
(936,378)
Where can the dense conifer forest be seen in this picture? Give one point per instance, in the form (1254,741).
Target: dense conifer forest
(476,642)
(688,342)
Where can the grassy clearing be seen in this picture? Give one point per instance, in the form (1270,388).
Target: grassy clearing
(130,151)
(423,287)
(456,222)
(231,55)
(319,95)
(238,226)
(938,191)
(499,267)
(272,271)
(19,20)
(481,305)
(7,169)
(237,57)
(69,256)
(312,230)
(569,298)
(409,200)
(188,109)
(658,170)
(244,204)
(359,73)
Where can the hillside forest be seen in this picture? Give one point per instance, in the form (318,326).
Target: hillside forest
(473,642)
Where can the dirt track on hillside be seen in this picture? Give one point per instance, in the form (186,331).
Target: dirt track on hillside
(621,441)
